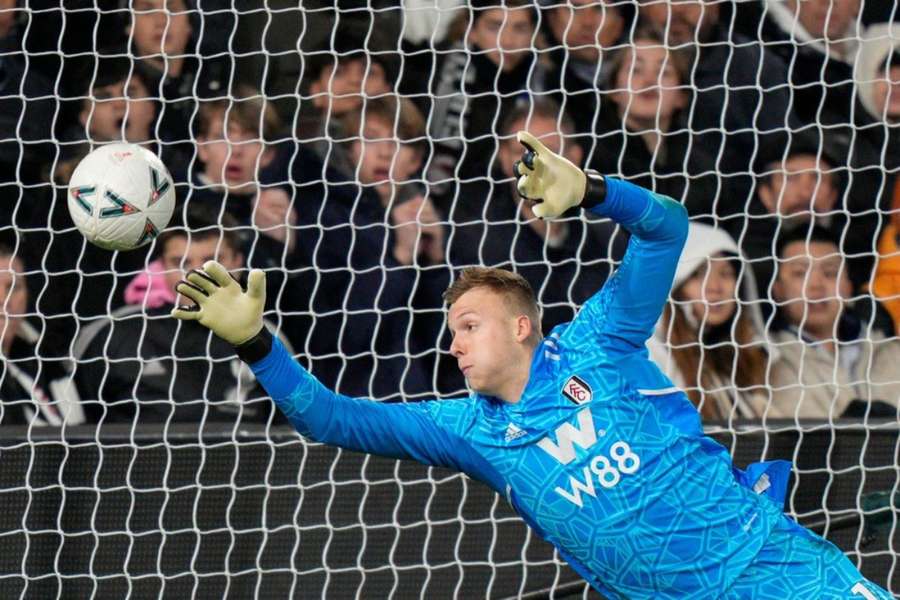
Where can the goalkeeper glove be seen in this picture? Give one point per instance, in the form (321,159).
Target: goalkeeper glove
(552,182)
(221,305)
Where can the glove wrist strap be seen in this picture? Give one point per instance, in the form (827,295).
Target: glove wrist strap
(594,190)
(256,348)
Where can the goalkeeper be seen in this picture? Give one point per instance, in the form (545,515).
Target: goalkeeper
(580,431)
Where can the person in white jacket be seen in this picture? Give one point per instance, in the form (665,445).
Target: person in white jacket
(710,339)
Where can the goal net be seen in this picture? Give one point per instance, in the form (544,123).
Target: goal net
(362,156)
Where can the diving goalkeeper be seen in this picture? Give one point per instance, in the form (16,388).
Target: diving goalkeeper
(587,439)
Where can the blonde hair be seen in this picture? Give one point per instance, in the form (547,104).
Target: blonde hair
(248,109)
(512,287)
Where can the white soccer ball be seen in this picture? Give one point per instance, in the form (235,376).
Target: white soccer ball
(121,196)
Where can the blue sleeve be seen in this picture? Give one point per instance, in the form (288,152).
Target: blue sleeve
(624,313)
(405,430)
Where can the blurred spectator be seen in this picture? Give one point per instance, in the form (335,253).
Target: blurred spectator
(480,82)
(710,339)
(874,139)
(565,261)
(579,33)
(339,73)
(798,187)
(171,60)
(34,389)
(27,109)
(818,39)
(741,89)
(141,365)
(353,65)
(116,108)
(374,254)
(643,134)
(429,28)
(234,144)
(830,363)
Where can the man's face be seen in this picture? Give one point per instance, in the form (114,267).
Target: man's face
(649,84)
(812,285)
(712,291)
(180,256)
(801,189)
(545,130)
(375,154)
(887,94)
(505,34)
(344,87)
(13,297)
(160,27)
(826,19)
(484,344)
(232,160)
(585,26)
(683,21)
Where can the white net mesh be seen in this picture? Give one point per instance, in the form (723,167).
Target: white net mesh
(361,156)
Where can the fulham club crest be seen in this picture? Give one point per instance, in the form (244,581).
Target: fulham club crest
(577,390)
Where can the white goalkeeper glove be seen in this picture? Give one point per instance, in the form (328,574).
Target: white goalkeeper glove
(230,312)
(549,180)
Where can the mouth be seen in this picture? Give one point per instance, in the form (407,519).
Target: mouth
(465,370)
(233,172)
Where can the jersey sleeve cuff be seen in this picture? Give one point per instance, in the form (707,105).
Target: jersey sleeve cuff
(256,348)
(595,189)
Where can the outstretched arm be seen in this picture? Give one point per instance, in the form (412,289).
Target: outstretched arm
(624,312)
(392,430)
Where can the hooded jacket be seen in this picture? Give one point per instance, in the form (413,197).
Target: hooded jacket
(704,241)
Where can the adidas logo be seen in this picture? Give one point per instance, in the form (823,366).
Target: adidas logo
(513,432)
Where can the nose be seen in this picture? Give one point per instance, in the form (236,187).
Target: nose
(456,348)
(816,286)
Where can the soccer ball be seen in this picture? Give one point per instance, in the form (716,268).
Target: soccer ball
(121,196)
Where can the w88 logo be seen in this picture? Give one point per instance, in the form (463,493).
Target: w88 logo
(608,470)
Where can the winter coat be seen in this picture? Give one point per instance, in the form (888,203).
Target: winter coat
(35,389)
(149,366)
(809,381)
(472,99)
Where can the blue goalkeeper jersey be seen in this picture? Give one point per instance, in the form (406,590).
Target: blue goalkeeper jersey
(602,455)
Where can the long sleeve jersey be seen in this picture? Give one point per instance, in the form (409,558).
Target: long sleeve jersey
(601,455)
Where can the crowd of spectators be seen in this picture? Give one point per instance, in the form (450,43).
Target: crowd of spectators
(365,174)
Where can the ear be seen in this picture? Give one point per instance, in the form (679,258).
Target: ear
(767,195)
(682,100)
(416,161)
(523,328)
(777,290)
(319,87)
(267,157)
(202,152)
(845,286)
